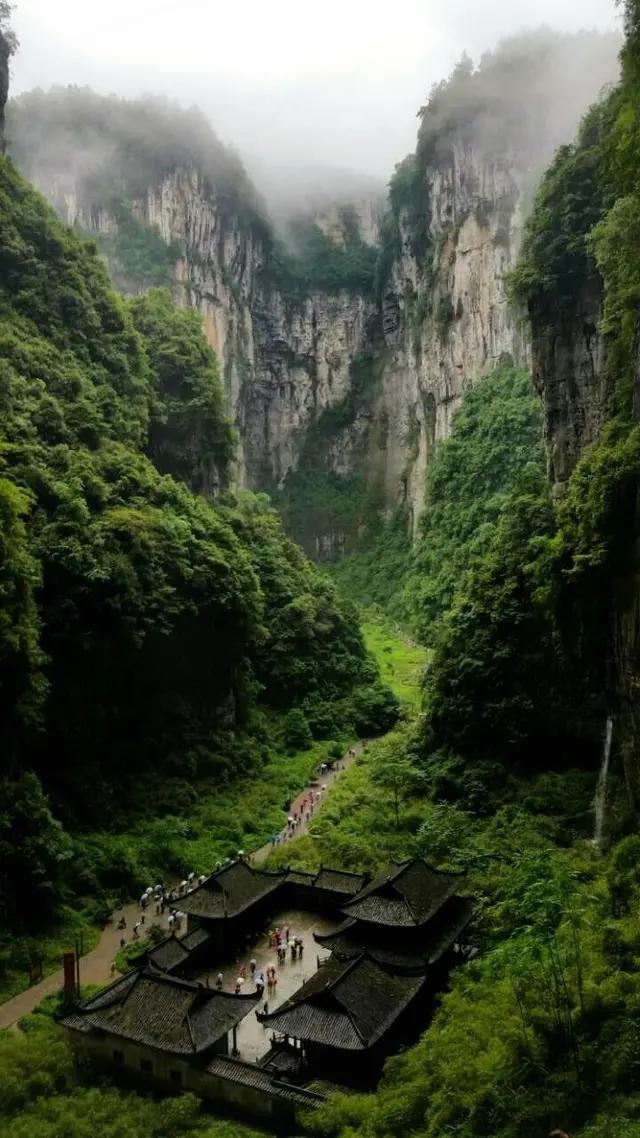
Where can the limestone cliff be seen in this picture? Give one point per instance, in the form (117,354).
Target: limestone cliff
(5,52)
(447,322)
(340,384)
(570,374)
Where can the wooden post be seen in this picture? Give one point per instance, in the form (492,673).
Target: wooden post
(234,1050)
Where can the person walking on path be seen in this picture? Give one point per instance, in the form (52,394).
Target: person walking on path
(96,964)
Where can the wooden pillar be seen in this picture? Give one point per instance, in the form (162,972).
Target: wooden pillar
(234,1050)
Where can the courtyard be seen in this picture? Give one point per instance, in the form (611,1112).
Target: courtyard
(253,1039)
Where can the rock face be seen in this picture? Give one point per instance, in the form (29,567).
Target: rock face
(357,383)
(570,374)
(286,359)
(4,83)
(449,324)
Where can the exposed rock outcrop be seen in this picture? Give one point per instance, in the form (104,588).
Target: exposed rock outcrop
(449,324)
(349,383)
(5,53)
(570,374)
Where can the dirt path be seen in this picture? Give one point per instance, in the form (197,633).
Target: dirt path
(329,780)
(95,967)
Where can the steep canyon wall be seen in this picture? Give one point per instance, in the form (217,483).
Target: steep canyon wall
(339,390)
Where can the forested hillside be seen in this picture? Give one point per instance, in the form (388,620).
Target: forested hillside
(525,587)
(146,629)
(172,667)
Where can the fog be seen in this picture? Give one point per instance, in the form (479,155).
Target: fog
(300,89)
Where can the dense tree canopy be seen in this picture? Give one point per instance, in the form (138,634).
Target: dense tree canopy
(138,620)
(496,434)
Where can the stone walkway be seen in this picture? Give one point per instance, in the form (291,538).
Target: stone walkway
(329,779)
(95,967)
(254,1039)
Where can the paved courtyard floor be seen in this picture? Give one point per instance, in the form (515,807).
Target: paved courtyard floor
(253,1039)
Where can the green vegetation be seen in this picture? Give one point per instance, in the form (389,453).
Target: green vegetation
(137,255)
(151,639)
(496,436)
(43,1093)
(400,660)
(315,500)
(190,436)
(557,259)
(373,572)
(312,261)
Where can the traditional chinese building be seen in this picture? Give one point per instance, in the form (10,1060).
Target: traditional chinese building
(347,1019)
(408,919)
(230,904)
(156,1026)
(389,957)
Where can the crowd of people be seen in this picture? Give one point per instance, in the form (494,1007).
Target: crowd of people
(165,902)
(300,813)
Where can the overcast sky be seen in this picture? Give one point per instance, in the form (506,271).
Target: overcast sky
(333,82)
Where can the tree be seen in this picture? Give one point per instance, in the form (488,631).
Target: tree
(33,850)
(297,735)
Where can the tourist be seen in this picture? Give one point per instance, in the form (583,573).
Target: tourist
(135,930)
(294,950)
(113,967)
(122,923)
(300,946)
(252,966)
(219,981)
(122,942)
(238,985)
(144,901)
(287,930)
(142,919)
(201,879)
(243,972)
(265,1010)
(282,954)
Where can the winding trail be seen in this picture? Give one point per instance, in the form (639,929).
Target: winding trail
(95,966)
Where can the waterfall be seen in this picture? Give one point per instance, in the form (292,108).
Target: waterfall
(600,800)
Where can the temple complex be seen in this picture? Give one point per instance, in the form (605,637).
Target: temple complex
(389,944)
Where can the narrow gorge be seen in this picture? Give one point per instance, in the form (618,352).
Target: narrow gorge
(344,352)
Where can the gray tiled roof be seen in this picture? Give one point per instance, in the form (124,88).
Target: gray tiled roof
(348,1006)
(229,891)
(168,953)
(177,1016)
(248,1074)
(172,952)
(340,880)
(300,876)
(350,939)
(408,895)
(195,939)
